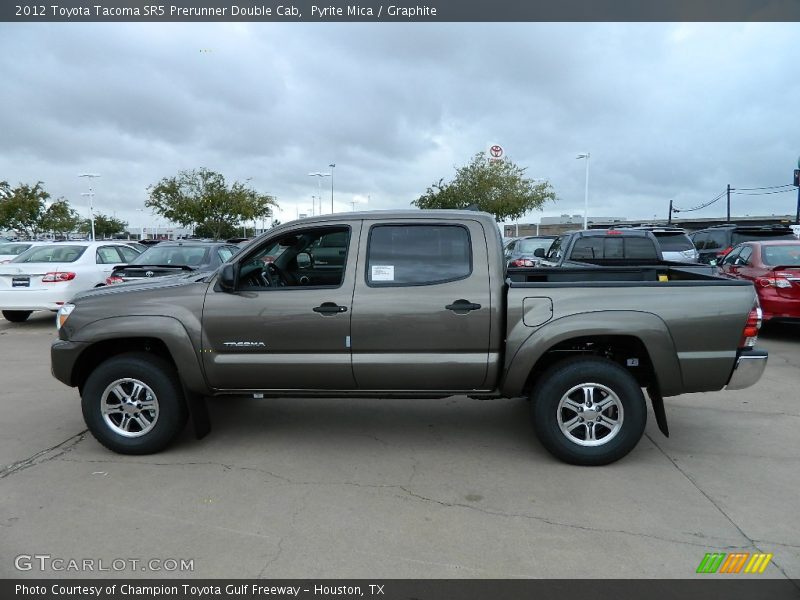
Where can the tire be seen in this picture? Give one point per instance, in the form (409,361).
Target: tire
(144,401)
(17,316)
(588,434)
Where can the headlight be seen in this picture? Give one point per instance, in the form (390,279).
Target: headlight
(63,314)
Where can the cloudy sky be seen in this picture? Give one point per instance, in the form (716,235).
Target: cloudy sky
(666,110)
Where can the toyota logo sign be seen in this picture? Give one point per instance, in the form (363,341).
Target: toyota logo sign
(149,274)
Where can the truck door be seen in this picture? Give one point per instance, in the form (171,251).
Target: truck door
(421,312)
(287,324)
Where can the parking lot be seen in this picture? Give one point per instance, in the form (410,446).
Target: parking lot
(381,488)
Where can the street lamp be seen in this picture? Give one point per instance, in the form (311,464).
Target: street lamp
(319,185)
(332,166)
(141,234)
(586,155)
(90,194)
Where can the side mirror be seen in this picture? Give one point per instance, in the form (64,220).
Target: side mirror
(305,260)
(228,276)
(539,253)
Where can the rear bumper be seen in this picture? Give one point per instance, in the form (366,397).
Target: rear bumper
(749,367)
(777,307)
(39,299)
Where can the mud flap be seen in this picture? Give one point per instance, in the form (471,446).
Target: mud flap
(658,409)
(198,413)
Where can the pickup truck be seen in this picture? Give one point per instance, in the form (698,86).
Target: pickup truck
(420,305)
(602,247)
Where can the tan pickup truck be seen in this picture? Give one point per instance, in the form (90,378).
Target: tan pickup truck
(411,304)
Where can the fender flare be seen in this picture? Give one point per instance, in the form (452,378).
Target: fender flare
(646,327)
(168,330)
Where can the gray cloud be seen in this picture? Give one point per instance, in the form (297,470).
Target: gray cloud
(667,110)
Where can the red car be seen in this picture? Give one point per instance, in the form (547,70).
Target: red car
(774,269)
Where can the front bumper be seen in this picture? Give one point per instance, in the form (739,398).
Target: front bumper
(749,367)
(63,356)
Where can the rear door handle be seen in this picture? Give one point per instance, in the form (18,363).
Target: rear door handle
(462,306)
(329,308)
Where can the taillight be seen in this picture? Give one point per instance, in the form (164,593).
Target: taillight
(523,262)
(56,276)
(725,252)
(778,280)
(750,333)
(114,279)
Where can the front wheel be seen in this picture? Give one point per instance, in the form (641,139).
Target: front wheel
(588,411)
(17,316)
(133,403)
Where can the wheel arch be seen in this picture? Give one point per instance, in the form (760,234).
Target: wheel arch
(163,336)
(619,335)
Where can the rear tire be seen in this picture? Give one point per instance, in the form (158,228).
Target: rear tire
(588,411)
(133,403)
(17,316)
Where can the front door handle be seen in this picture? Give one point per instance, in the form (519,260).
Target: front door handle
(329,308)
(462,307)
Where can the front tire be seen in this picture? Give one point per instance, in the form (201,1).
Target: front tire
(17,316)
(133,403)
(588,411)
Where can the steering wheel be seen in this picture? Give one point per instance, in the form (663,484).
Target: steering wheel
(275,275)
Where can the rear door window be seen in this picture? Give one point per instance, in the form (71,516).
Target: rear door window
(128,254)
(399,255)
(587,248)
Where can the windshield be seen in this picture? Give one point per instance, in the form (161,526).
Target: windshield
(784,256)
(54,253)
(529,246)
(674,242)
(191,256)
(752,236)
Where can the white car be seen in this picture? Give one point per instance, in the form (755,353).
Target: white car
(45,277)
(10,250)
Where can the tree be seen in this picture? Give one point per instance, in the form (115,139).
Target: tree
(104,226)
(60,218)
(203,199)
(498,187)
(22,207)
(226,232)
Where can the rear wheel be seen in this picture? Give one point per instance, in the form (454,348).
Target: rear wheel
(134,404)
(17,316)
(588,411)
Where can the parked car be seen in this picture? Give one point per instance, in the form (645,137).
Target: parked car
(10,250)
(419,306)
(520,252)
(774,269)
(675,245)
(45,277)
(714,243)
(601,247)
(172,258)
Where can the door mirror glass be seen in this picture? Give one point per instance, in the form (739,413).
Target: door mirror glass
(539,252)
(304,261)
(227,277)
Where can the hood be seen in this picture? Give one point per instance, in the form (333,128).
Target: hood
(155,283)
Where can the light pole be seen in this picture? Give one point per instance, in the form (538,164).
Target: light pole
(319,185)
(332,166)
(141,233)
(90,194)
(586,155)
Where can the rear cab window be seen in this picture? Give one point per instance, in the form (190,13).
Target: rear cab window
(413,255)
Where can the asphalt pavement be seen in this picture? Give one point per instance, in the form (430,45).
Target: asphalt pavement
(387,488)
